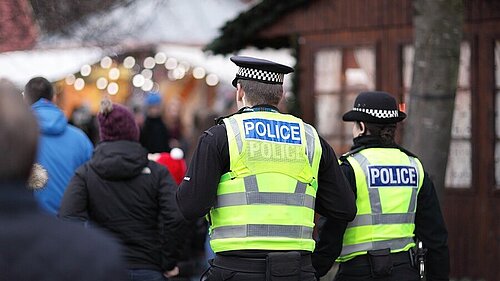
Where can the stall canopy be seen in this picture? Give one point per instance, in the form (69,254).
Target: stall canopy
(221,65)
(54,64)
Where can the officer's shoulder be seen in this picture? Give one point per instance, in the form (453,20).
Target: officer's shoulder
(216,130)
(346,155)
(220,120)
(407,152)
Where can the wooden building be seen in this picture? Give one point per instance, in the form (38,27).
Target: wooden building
(347,46)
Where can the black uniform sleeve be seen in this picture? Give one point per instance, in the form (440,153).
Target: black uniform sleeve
(431,230)
(197,192)
(334,199)
(349,175)
(331,234)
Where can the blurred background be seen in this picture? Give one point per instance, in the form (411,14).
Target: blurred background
(127,49)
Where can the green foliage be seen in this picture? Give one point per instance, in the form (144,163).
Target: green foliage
(241,32)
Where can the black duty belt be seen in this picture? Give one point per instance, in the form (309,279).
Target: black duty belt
(397,258)
(249,265)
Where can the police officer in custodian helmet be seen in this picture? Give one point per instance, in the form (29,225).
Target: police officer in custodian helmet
(396,203)
(259,175)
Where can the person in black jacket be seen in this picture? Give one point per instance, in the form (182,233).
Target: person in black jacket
(396,203)
(121,191)
(155,136)
(35,245)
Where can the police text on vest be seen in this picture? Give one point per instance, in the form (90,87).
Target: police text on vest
(272,130)
(392,176)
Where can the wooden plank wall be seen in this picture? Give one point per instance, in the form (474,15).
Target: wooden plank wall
(321,16)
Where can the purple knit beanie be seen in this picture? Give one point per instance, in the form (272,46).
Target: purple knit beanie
(116,122)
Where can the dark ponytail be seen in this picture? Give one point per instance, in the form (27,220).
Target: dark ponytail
(385,132)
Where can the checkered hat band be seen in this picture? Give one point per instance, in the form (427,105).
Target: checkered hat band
(261,75)
(378,113)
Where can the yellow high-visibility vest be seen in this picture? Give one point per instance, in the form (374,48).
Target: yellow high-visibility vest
(388,182)
(266,201)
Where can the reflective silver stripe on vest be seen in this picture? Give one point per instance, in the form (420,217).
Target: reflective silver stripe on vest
(413,200)
(311,144)
(251,184)
(253,196)
(237,134)
(393,244)
(300,187)
(262,230)
(272,198)
(375,204)
(370,219)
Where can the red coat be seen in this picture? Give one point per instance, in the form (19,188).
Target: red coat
(176,167)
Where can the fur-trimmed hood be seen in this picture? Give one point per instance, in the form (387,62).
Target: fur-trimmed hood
(38,177)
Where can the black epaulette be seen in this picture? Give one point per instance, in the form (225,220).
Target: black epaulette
(407,152)
(219,121)
(207,131)
(351,152)
(358,149)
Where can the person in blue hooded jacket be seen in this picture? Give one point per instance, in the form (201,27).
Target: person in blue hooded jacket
(62,147)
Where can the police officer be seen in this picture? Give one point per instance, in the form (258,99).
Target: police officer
(260,175)
(396,202)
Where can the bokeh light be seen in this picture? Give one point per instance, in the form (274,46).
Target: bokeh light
(160,58)
(106,62)
(198,72)
(212,79)
(129,62)
(79,84)
(138,80)
(149,62)
(85,70)
(114,73)
(113,88)
(147,73)
(70,79)
(148,85)
(171,63)
(101,83)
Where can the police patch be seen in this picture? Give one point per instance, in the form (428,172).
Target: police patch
(391,176)
(272,130)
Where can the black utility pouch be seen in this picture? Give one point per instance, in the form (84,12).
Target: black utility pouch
(380,262)
(283,266)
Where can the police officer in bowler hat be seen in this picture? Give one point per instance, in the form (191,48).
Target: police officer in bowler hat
(259,175)
(396,204)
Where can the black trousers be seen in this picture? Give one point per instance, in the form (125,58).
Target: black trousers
(359,269)
(243,269)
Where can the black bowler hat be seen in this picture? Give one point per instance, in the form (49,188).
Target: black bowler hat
(375,107)
(260,70)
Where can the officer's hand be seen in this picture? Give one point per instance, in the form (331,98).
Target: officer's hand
(172,273)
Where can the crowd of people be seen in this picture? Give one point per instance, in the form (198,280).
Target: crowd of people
(131,209)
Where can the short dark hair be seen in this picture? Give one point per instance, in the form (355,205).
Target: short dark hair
(261,93)
(386,132)
(38,88)
(18,140)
